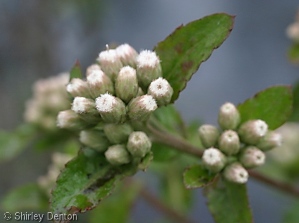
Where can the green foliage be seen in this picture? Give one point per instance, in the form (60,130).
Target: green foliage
(292,214)
(76,71)
(188,46)
(228,202)
(295,114)
(273,105)
(197,176)
(293,53)
(25,198)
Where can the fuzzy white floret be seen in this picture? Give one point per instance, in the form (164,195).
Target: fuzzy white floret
(79,104)
(147,58)
(105,102)
(159,87)
(212,156)
(261,127)
(96,76)
(108,56)
(127,71)
(149,103)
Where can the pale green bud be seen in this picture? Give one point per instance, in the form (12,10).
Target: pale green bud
(112,109)
(78,87)
(236,173)
(229,116)
(138,144)
(213,159)
(117,155)
(251,157)
(127,54)
(251,132)
(208,135)
(92,68)
(140,92)
(86,109)
(229,142)
(118,133)
(126,84)
(140,108)
(269,141)
(99,83)
(148,68)
(94,139)
(161,90)
(69,119)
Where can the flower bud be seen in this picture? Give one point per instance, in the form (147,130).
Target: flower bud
(229,116)
(138,144)
(140,92)
(252,131)
(292,31)
(236,173)
(127,54)
(86,109)
(110,63)
(94,139)
(213,159)
(118,133)
(126,84)
(78,87)
(161,90)
(92,68)
(208,135)
(111,108)
(229,142)
(251,157)
(269,141)
(69,119)
(99,83)
(117,155)
(148,68)
(140,108)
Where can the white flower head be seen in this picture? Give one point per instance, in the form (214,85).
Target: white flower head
(160,87)
(227,108)
(261,127)
(127,71)
(148,103)
(92,68)
(81,105)
(108,56)
(105,102)
(236,173)
(212,156)
(147,58)
(95,76)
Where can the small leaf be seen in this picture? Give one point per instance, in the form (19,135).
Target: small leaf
(145,162)
(228,202)
(27,197)
(293,53)
(76,71)
(196,176)
(273,105)
(85,181)
(188,46)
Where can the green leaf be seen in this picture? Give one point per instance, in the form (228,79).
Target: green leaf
(293,53)
(196,176)
(188,46)
(292,215)
(76,71)
(295,114)
(273,105)
(228,202)
(85,181)
(27,197)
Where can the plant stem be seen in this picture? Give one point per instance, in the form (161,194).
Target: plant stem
(169,212)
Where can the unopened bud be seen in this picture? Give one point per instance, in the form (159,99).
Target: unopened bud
(117,155)
(228,117)
(140,92)
(138,144)
(161,90)
(78,87)
(94,139)
(148,68)
(213,159)
(127,54)
(111,108)
(99,83)
(69,119)
(208,135)
(126,84)
(92,68)
(252,157)
(118,133)
(292,31)
(236,173)
(229,142)
(252,131)
(269,141)
(141,108)
(86,109)
(110,63)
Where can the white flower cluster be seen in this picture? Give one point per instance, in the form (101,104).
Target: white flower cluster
(49,97)
(235,147)
(121,91)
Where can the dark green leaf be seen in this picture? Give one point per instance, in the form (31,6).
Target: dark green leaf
(292,215)
(228,202)
(27,197)
(188,46)
(85,181)
(196,176)
(273,105)
(295,114)
(293,53)
(76,71)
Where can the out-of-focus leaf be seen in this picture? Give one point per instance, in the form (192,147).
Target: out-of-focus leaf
(292,215)
(196,176)
(228,202)
(27,197)
(188,46)
(273,105)
(192,134)
(76,71)
(295,114)
(293,53)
